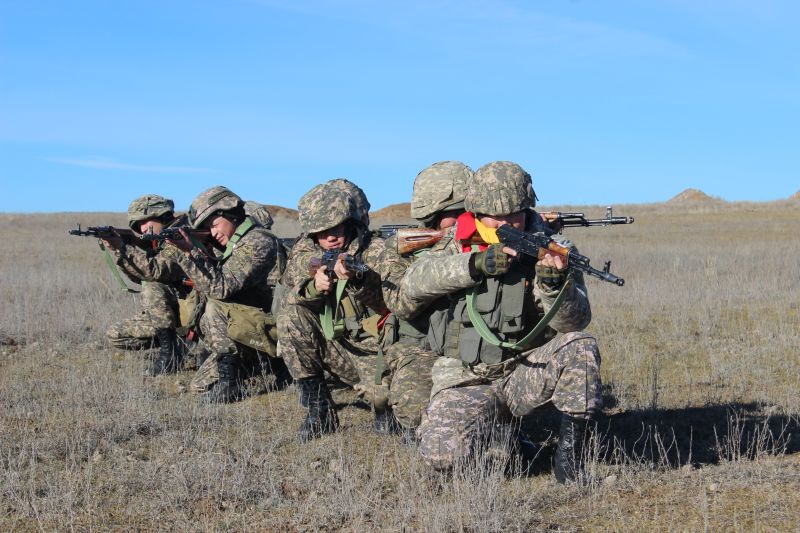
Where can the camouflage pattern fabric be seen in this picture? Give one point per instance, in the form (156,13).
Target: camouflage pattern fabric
(410,381)
(159,308)
(210,201)
(351,359)
(467,400)
(147,207)
(439,187)
(324,207)
(358,196)
(242,278)
(499,188)
(565,371)
(259,213)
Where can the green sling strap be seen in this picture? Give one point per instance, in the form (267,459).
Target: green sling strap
(115,270)
(332,322)
(521,345)
(243,228)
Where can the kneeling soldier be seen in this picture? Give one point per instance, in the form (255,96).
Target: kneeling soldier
(329,321)
(162,284)
(500,357)
(235,280)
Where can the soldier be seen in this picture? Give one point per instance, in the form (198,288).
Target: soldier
(237,283)
(436,202)
(329,322)
(162,285)
(491,369)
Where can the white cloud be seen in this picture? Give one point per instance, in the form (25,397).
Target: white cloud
(107,163)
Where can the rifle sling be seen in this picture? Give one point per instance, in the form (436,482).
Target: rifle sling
(243,228)
(333,325)
(521,345)
(112,265)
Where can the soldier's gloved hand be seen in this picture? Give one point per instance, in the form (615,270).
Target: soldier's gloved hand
(550,276)
(493,261)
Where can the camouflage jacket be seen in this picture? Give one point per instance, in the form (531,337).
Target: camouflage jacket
(444,272)
(367,291)
(151,264)
(242,277)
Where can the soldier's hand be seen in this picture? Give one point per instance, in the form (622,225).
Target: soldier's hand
(551,270)
(113,242)
(185,245)
(493,261)
(340,268)
(322,281)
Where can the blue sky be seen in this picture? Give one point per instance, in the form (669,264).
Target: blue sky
(603,102)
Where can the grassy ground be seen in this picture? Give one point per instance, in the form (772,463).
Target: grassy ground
(700,364)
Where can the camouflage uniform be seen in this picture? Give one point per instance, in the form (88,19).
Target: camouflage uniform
(476,383)
(438,188)
(242,276)
(351,357)
(158,273)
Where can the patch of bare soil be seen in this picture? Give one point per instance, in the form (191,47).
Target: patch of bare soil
(393,211)
(693,195)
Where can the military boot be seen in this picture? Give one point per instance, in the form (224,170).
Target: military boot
(569,459)
(321,417)
(231,381)
(170,353)
(386,423)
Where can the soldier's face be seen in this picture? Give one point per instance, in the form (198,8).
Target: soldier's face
(332,238)
(448,219)
(222,230)
(517,220)
(151,226)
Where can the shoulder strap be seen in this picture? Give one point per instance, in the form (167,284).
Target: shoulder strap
(243,228)
(332,322)
(115,270)
(521,345)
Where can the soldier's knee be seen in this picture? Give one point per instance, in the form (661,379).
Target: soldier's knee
(434,452)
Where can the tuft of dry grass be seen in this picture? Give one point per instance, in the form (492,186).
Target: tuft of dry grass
(700,366)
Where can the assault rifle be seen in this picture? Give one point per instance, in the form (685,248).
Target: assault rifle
(537,244)
(559,219)
(387,230)
(105,232)
(173,233)
(329,259)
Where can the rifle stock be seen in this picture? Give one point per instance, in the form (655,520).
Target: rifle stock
(409,240)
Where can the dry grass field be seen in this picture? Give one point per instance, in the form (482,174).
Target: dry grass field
(701,366)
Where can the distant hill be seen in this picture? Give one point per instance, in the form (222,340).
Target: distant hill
(693,195)
(393,211)
(283,212)
(795,196)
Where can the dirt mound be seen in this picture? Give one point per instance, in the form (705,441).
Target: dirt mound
(393,211)
(282,212)
(795,196)
(693,195)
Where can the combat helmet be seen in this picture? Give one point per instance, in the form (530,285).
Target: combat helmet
(147,207)
(325,206)
(500,188)
(440,187)
(212,202)
(358,196)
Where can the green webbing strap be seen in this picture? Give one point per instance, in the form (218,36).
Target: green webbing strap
(483,329)
(113,266)
(332,324)
(243,228)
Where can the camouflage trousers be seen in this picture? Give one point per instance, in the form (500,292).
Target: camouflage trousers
(565,371)
(217,342)
(410,384)
(308,354)
(158,310)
